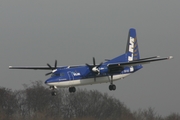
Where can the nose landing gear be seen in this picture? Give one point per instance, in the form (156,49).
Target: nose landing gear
(53,93)
(53,88)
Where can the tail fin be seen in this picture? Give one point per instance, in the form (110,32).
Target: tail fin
(132,46)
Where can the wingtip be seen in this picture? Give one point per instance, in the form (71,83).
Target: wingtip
(10,66)
(170,57)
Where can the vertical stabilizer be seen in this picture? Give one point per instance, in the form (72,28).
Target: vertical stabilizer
(132,46)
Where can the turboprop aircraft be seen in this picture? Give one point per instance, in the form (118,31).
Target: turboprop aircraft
(87,74)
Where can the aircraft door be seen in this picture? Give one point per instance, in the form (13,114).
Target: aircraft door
(70,75)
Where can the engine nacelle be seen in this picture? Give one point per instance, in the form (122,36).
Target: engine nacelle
(96,70)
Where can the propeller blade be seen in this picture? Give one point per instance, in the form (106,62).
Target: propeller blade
(49,66)
(48,73)
(94,78)
(88,65)
(55,64)
(52,68)
(100,64)
(94,68)
(94,62)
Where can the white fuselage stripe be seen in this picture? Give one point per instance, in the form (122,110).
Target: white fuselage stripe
(88,81)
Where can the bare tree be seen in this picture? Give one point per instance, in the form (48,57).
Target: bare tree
(35,102)
(93,104)
(173,116)
(148,114)
(8,103)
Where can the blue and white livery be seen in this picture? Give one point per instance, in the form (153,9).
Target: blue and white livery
(87,74)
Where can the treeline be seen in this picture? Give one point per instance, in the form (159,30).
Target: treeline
(35,102)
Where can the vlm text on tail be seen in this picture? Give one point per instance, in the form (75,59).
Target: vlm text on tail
(132,46)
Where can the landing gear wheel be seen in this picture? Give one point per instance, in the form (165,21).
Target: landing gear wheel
(53,93)
(72,89)
(112,87)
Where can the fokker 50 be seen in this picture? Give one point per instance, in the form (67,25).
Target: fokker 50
(87,74)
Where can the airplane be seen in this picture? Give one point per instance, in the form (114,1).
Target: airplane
(87,74)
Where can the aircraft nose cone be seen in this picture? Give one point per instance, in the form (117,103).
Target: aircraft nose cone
(50,80)
(46,82)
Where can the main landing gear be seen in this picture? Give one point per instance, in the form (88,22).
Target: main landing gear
(72,89)
(112,86)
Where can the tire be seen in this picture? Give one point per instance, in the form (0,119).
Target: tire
(53,93)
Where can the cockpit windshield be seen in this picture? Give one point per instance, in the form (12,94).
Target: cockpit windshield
(57,75)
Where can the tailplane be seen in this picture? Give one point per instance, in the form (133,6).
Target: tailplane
(132,46)
(132,50)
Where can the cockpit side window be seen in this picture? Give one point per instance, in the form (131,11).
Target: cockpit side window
(61,74)
(57,74)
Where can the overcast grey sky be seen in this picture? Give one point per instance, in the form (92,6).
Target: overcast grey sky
(36,32)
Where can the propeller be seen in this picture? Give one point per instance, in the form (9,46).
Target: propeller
(94,68)
(52,68)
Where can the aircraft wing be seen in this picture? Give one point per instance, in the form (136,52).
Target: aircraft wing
(30,67)
(41,67)
(137,62)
